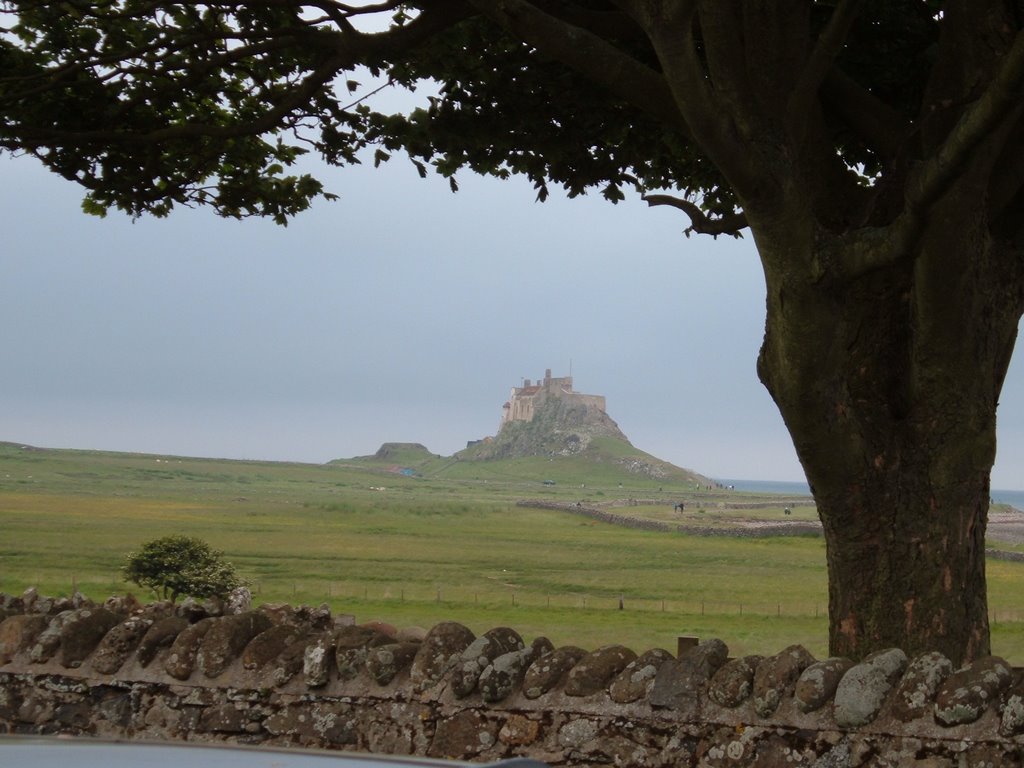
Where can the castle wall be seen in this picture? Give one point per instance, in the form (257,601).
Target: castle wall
(593,401)
(523,401)
(284,676)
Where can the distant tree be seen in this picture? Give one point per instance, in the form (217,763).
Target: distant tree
(181,565)
(874,148)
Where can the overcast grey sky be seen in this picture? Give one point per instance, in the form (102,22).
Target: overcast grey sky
(401,312)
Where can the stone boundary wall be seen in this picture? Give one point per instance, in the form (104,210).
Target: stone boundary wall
(713,503)
(780,529)
(1001,554)
(279,675)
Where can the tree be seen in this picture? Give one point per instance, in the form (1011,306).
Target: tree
(181,565)
(874,149)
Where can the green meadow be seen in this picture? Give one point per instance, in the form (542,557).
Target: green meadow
(447,542)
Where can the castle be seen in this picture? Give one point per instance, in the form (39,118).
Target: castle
(525,399)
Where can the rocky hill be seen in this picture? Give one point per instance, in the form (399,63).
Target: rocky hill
(559,427)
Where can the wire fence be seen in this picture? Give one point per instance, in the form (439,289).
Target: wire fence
(334,592)
(338,592)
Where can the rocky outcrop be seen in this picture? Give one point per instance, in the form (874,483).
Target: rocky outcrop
(559,427)
(277,676)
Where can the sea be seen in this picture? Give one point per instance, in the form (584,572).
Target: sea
(1013,498)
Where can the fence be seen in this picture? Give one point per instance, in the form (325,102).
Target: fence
(341,593)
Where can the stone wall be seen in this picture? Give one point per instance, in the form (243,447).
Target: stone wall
(300,676)
(644,524)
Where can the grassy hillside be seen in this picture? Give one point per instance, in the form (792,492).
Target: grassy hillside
(607,463)
(443,545)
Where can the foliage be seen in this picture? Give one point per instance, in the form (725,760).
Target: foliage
(181,565)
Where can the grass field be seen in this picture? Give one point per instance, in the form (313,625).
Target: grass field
(418,550)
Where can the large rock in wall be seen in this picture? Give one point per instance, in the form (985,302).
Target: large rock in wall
(283,676)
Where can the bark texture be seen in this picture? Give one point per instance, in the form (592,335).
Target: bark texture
(888,384)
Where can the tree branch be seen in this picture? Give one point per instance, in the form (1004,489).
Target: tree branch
(343,50)
(820,62)
(1006,187)
(590,55)
(700,222)
(1003,96)
(879,126)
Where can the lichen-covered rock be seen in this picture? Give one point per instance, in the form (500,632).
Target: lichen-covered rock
(161,635)
(195,610)
(223,718)
(82,632)
(18,632)
(679,683)
(59,604)
(519,731)
(47,642)
(915,693)
(239,600)
(117,645)
(122,604)
(776,677)
(317,660)
(411,635)
(227,638)
(577,733)
(28,600)
(384,627)
(385,661)
(438,653)
(733,683)
(965,695)
(596,670)
(269,644)
(863,689)
(635,681)
(289,662)
(505,674)
(1011,720)
(550,670)
(11,603)
(351,646)
(463,735)
(181,659)
(540,646)
(330,723)
(817,684)
(478,656)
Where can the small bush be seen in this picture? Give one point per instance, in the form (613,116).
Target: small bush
(181,565)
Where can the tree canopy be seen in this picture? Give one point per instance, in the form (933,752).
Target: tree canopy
(151,104)
(874,148)
(181,565)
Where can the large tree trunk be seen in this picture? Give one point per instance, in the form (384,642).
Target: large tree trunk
(888,382)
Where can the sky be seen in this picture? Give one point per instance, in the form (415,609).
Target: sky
(401,312)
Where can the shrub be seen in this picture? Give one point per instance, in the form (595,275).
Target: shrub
(181,565)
